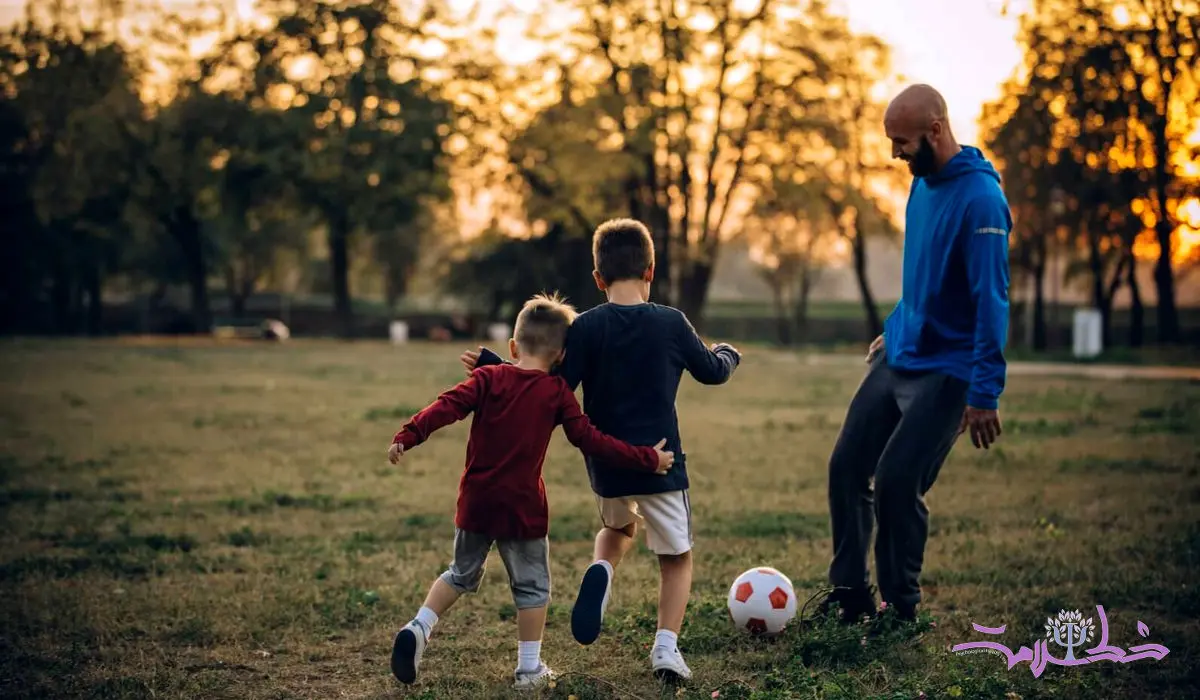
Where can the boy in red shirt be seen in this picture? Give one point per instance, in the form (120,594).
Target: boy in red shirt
(502,498)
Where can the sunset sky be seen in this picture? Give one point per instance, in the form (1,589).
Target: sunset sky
(962,47)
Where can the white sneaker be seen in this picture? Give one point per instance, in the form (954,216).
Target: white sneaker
(588,612)
(669,662)
(528,680)
(407,649)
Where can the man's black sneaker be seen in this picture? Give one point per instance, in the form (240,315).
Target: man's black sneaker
(854,604)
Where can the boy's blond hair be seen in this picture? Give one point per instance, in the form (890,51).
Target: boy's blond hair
(541,328)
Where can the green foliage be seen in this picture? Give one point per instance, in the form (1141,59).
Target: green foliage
(224,179)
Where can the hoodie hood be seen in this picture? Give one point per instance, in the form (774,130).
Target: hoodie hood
(969,160)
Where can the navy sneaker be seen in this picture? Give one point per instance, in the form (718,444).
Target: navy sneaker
(588,613)
(407,650)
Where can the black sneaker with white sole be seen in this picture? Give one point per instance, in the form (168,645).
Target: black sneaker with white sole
(588,613)
(407,649)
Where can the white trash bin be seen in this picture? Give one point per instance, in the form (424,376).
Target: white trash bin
(499,332)
(1088,337)
(398,332)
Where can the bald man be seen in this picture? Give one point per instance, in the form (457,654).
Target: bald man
(937,370)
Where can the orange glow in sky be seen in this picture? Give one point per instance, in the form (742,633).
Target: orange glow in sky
(964,48)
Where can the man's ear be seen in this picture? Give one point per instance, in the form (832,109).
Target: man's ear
(599,280)
(648,275)
(513,351)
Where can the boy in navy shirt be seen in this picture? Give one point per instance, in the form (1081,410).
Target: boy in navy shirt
(502,498)
(630,354)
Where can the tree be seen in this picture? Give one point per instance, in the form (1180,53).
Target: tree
(1119,82)
(856,168)
(1021,133)
(368,129)
(1162,53)
(67,94)
(665,114)
(792,236)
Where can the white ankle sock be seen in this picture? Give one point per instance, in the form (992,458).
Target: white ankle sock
(666,639)
(529,656)
(427,618)
(607,566)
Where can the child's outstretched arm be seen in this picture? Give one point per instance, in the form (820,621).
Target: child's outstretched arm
(451,406)
(708,365)
(582,434)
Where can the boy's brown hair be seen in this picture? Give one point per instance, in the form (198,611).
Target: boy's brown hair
(622,249)
(541,328)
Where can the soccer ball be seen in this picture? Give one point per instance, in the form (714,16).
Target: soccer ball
(762,601)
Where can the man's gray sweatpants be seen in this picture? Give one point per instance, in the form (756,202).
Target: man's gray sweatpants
(899,429)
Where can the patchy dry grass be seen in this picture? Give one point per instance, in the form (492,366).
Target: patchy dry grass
(219,521)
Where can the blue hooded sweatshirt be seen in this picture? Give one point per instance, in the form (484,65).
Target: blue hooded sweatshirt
(952,315)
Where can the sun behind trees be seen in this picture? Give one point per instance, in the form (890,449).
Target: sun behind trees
(683,122)
(1098,140)
(344,148)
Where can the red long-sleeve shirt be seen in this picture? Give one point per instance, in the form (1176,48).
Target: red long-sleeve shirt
(501,493)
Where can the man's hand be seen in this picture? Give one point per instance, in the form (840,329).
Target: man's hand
(876,348)
(469,359)
(665,459)
(984,424)
(395,452)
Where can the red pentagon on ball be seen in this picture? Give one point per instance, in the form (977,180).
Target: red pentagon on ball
(744,591)
(756,625)
(778,598)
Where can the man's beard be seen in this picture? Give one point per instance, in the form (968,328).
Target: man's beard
(924,162)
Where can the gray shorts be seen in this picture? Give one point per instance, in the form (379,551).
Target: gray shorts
(527,563)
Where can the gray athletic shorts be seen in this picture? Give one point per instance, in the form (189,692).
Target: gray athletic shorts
(527,563)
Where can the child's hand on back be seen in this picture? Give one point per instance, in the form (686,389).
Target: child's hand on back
(665,459)
(469,359)
(395,452)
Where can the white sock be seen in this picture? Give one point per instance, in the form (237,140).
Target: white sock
(607,566)
(666,639)
(427,618)
(529,656)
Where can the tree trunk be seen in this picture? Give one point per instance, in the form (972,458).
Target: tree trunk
(187,233)
(659,223)
(1164,276)
(693,291)
(1113,285)
(806,283)
(237,304)
(1164,283)
(1039,297)
(633,197)
(237,301)
(1137,312)
(339,261)
(95,305)
(60,301)
(859,246)
(1099,301)
(783,323)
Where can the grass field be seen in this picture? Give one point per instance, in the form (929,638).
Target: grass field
(189,520)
